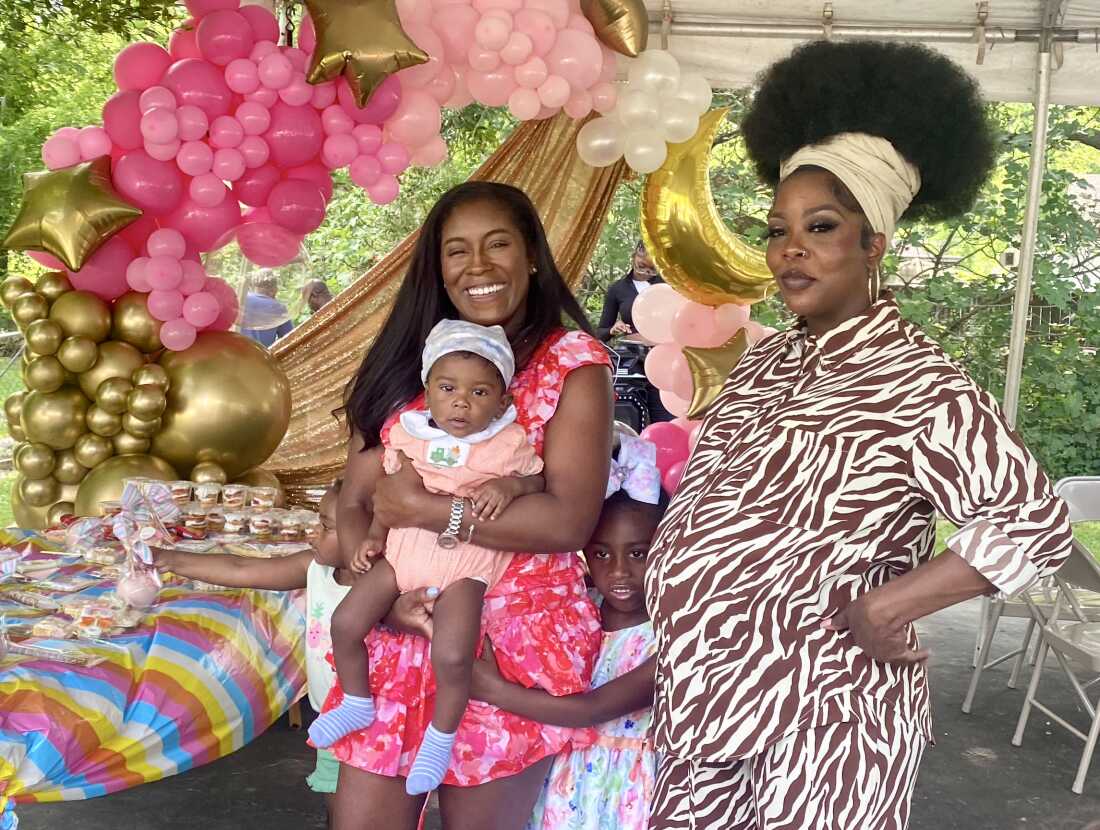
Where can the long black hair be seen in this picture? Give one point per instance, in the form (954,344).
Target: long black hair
(389,376)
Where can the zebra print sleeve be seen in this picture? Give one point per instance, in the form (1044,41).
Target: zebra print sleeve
(978,474)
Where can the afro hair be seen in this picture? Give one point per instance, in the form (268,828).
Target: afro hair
(924,104)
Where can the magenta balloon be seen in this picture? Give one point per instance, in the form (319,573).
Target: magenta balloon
(207,190)
(163,152)
(694,325)
(275,71)
(51,262)
(670,440)
(263,23)
(418,117)
(455,26)
(228,164)
(268,245)
(94,142)
(297,205)
(335,121)
(316,173)
(135,275)
(339,151)
(122,119)
(492,88)
(201,309)
(203,227)
(59,152)
(365,170)
(177,335)
(201,84)
(226,131)
(385,190)
(182,44)
(157,97)
(653,312)
(104,273)
(241,76)
(673,476)
(538,26)
(263,96)
(159,126)
(297,93)
(193,122)
(253,118)
(307,34)
(576,57)
(138,231)
(262,49)
(254,151)
(154,186)
(368,137)
(195,158)
(324,95)
(394,158)
(224,36)
(163,273)
(141,65)
(165,305)
(166,242)
(295,135)
(255,186)
(382,104)
(228,303)
(194,278)
(200,7)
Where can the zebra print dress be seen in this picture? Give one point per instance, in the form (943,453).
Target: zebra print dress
(816,479)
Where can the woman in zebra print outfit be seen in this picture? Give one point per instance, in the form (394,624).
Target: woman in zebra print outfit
(791,690)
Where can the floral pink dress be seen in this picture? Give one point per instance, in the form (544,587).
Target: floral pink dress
(544,629)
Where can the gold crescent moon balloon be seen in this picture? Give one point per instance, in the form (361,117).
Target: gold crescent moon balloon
(104,483)
(67,469)
(13,288)
(115,360)
(91,450)
(709,370)
(621,25)
(70,212)
(44,337)
(690,244)
(228,402)
(132,323)
(36,518)
(55,418)
(259,477)
(53,284)
(81,314)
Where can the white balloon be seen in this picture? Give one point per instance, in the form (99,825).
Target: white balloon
(638,109)
(645,150)
(600,142)
(695,90)
(655,70)
(679,121)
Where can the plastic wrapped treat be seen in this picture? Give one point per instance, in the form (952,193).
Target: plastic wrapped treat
(181,492)
(208,493)
(261,526)
(263,498)
(234,496)
(236,522)
(195,521)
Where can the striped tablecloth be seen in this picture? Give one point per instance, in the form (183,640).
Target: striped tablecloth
(203,675)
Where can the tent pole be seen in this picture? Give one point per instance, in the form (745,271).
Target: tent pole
(1022,302)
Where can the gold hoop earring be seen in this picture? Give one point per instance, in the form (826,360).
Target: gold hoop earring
(874,283)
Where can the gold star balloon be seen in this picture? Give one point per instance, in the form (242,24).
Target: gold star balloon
(70,212)
(709,370)
(361,40)
(621,25)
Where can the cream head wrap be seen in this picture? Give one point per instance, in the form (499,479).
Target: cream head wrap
(881,180)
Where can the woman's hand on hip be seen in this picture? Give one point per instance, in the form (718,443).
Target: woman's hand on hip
(398,497)
(882,635)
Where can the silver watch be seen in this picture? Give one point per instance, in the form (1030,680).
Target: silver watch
(448,539)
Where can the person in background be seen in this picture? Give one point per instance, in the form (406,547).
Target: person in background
(265,319)
(616,319)
(315,295)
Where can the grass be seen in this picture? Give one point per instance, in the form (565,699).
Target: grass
(1087,533)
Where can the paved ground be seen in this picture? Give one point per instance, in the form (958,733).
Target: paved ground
(973,780)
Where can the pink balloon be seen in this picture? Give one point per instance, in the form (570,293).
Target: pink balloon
(297,205)
(295,135)
(455,26)
(335,121)
(202,226)
(298,59)
(157,97)
(200,7)
(532,73)
(368,137)
(694,325)
(339,151)
(604,98)
(166,242)
(686,425)
(163,152)
(104,272)
(201,309)
(417,118)
(610,68)
(414,11)
(159,126)
(254,151)
(165,305)
(538,26)
(163,273)
(670,440)
(667,369)
(729,318)
(384,191)
(193,123)
(490,6)
(316,173)
(324,95)
(60,152)
(141,65)
(194,278)
(491,33)
(524,104)
(557,10)
(491,88)
(426,38)
(255,186)
(276,70)
(262,49)
(183,44)
(576,57)
(653,312)
(68,133)
(442,86)
(579,104)
(365,170)
(696,432)
(42,258)
(241,76)
(673,476)
(177,334)
(382,104)
(755,331)
(263,23)
(518,49)
(122,119)
(207,190)
(675,404)
(228,164)
(297,92)
(267,245)
(307,34)
(226,131)
(581,24)
(200,84)
(227,302)
(154,186)
(394,158)
(554,91)
(482,60)
(224,36)
(138,231)
(263,96)
(431,154)
(194,158)
(135,275)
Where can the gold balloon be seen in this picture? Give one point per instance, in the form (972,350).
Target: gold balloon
(104,483)
(690,245)
(103,423)
(44,337)
(259,477)
(17,432)
(140,428)
(55,418)
(60,510)
(29,307)
(126,444)
(147,402)
(53,285)
(39,492)
(78,354)
(362,41)
(35,460)
(70,212)
(30,517)
(81,314)
(621,25)
(228,402)
(209,473)
(13,407)
(115,360)
(113,394)
(67,469)
(151,374)
(91,450)
(44,374)
(13,288)
(709,370)
(132,323)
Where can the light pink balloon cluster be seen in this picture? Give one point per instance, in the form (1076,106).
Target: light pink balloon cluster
(537,57)
(180,293)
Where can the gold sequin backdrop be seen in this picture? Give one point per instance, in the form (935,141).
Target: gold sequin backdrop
(320,357)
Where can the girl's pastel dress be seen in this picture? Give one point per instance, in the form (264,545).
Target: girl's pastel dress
(607,781)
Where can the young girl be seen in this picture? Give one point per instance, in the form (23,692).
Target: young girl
(606,782)
(466,444)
